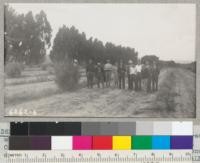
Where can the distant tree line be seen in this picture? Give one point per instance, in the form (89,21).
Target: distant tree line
(189,66)
(71,44)
(26,36)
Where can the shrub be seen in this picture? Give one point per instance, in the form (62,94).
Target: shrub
(50,70)
(166,95)
(67,76)
(13,69)
(45,66)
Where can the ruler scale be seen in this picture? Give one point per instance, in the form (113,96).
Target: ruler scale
(175,156)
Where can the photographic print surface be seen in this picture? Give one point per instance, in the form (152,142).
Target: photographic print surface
(100,60)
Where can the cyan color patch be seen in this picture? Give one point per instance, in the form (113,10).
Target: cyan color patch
(160,142)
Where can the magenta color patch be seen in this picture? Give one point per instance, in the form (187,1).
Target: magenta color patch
(82,142)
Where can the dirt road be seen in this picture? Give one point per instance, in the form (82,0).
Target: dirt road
(112,102)
(186,90)
(181,93)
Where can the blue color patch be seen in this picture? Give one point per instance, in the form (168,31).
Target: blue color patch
(160,142)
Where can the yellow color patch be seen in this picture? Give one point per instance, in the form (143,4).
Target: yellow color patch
(121,142)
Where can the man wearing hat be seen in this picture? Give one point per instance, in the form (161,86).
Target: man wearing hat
(75,63)
(90,71)
(121,74)
(100,75)
(155,74)
(130,83)
(138,76)
(132,74)
(147,73)
(108,72)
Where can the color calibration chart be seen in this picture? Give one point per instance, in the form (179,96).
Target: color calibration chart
(123,142)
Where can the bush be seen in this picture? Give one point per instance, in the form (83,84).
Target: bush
(45,66)
(166,95)
(13,69)
(50,70)
(67,76)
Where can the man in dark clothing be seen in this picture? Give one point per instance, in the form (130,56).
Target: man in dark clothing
(138,76)
(90,71)
(155,74)
(121,75)
(130,79)
(100,75)
(147,72)
(108,72)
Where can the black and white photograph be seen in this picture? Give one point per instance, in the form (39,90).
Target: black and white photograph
(100,60)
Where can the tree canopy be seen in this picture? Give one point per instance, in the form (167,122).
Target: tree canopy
(70,44)
(26,36)
(149,58)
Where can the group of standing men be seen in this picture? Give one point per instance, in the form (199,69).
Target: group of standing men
(137,75)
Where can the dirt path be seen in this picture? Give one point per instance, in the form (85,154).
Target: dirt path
(185,89)
(87,102)
(111,102)
(181,92)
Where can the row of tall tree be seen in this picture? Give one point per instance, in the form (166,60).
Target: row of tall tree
(26,36)
(69,43)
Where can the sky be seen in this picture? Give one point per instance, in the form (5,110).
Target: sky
(165,30)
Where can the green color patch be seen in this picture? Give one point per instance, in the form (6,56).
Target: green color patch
(141,142)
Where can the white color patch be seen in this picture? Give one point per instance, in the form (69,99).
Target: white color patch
(182,128)
(61,142)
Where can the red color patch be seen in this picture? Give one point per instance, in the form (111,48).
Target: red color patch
(102,142)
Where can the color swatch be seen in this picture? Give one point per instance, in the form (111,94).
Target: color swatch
(181,142)
(100,142)
(19,128)
(19,143)
(121,142)
(144,128)
(161,142)
(56,129)
(162,128)
(141,142)
(182,128)
(61,142)
(40,142)
(82,142)
(141,135)
(102,128)
(108,128)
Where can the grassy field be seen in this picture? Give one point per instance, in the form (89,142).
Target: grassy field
(36,94)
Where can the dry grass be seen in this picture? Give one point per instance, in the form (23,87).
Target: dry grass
(166,93)
(34,73)
(176,95)
(28,80)
(26,92)
(13,69)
